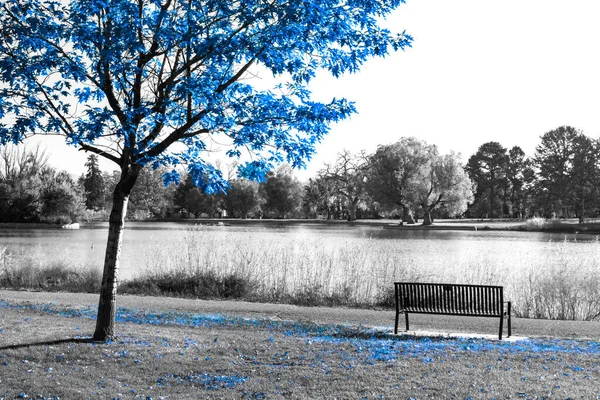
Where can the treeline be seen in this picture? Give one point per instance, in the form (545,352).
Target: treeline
(562,178)
(32,191)
(396,181)
(408,179)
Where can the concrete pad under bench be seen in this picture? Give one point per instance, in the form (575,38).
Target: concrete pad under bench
(460,335)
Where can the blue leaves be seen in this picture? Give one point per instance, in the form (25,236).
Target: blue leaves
(85,94)
(171,177)
(203,380)
(152,74)
(255,170)
(207,178)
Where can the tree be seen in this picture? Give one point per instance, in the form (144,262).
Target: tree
(242,199)
(393,171)
(190,198)
(282,192)
(30,191)
(519,180)
(444,182)
(487,168)
(93,184)
(568,168)
(318,197)
(61,199)
(150,197)
(153,73)
(20,183)
(348,176)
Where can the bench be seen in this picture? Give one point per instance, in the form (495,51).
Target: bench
(451,299)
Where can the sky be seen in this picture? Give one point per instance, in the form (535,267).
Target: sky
(478,71)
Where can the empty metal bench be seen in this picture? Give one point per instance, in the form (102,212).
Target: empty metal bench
(452,299)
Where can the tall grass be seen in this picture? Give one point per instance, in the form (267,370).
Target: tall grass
(559,225)
(360,272)
(305,272)
(356,272)
(32,271)
(563,287)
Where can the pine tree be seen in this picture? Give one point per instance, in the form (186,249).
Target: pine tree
(93,184)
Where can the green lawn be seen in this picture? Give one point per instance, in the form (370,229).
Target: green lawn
(178,355)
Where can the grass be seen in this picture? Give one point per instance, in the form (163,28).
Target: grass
(177,355)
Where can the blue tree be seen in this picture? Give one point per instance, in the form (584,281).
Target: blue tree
(129,79)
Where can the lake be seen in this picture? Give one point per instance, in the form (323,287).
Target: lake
(85,247)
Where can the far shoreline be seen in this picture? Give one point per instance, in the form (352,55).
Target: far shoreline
(570,226)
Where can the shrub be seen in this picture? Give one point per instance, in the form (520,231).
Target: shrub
(203,285)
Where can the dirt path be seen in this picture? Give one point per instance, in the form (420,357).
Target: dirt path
(321,315)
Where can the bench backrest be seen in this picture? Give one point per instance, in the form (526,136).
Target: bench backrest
(440,298)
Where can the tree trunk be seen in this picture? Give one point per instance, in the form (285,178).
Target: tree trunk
(492,200)
(427,217)
(105,321)
(407,215)
(352,210)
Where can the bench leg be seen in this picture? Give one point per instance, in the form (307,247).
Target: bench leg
(501,323)
(406,319)
(509,313)
(397,310)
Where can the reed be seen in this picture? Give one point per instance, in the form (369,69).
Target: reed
(558,225)
(359,272)
(33,271)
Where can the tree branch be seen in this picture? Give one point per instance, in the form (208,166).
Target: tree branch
(91,149)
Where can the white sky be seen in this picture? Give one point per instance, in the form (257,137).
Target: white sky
(478,71)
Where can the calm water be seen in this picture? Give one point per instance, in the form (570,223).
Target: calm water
(86,246)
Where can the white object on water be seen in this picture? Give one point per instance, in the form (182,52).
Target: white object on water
(71,226)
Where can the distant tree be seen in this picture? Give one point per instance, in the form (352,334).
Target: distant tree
(393,171)
(20,183)
(318,197)
(18,163)
(188,197)
(568,168)
(31,191)
(282,192)
(443,182)
(152,74)
(150,197)
(487,169)
(61,199)
(519,180)
(242,199)
(347,177)
(93,184)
